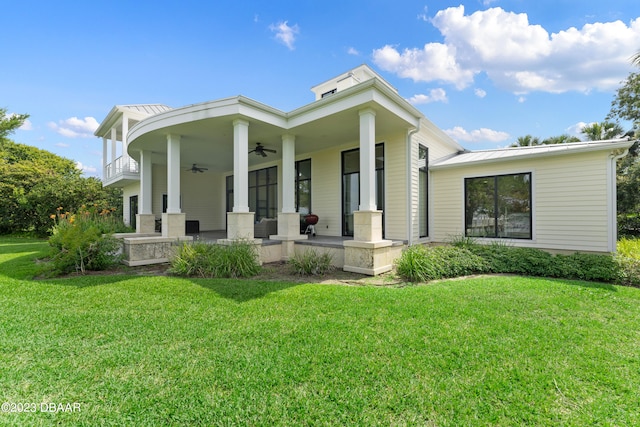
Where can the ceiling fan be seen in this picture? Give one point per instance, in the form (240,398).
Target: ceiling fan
(260,150)
(196,169)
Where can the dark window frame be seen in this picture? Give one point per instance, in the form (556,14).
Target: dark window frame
(380,189)
(270,184)
(299,181)
(423,191)
(496,199)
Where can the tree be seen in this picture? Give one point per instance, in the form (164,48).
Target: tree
(9,123)
(36,182)
(602,131)
(560,139)
(526,141)
(626,104)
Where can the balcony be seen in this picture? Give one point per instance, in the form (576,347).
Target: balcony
(121,172)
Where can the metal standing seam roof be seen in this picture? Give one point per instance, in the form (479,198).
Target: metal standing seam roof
(515,153)
(149,109)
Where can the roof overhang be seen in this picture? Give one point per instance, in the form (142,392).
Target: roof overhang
(206,129)
(469,158)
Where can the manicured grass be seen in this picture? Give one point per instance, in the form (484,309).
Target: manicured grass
(492,351)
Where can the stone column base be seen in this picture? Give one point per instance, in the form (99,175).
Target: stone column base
(145,223)
(288,232)
(370,258)
(173,224)
(240,225)
(367,226)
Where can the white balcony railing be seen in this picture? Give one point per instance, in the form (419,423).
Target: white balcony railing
(120,166)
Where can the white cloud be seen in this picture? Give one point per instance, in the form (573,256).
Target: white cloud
(517,55)
(353,51)
(576,129)
(285,34)
(480,93)
(62,145)
(86,169)
(434,62)
(423,16)
(26,125)
(435,95)
(521,99)
(478,135)
(74,127)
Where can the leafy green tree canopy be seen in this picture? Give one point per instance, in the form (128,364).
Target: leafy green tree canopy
(602,131)
(626,104)
(9,123)
(35,183)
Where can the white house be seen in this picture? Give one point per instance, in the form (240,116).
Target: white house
(378,174)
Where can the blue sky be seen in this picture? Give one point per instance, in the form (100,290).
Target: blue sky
(484,71)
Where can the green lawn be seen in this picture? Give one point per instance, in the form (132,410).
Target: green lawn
(495,351)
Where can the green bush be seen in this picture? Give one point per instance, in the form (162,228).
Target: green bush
(421,263)
(199,259)
(628,259)
(83,241)
(310,263)
(516,260)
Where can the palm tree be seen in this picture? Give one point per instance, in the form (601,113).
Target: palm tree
(635,59)
(601,131)
(560,139)
(526,141)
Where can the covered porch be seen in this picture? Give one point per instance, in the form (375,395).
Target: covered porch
(209,151)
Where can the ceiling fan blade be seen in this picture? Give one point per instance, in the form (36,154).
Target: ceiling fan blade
(263,153)
(269,150)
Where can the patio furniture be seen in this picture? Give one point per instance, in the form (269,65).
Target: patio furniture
(265,228)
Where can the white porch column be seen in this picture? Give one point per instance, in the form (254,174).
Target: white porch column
(114,141)
(145,182)
(173,221)
(368,253)
(125,153)
(145,220)
(367,160)
(105,160)
(173,173)
(240,165)
(288,173)
(240,220)
(288,219)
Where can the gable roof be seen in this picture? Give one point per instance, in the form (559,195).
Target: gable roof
(514,153)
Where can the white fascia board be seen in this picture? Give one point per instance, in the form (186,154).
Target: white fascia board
(104,129)
(234,106)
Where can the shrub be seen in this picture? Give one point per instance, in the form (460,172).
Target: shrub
(628,259)
(83,241)
(310,263)
(421,263)
(199,259)
(515,260)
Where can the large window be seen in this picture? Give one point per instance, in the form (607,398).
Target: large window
(263,193)
(423,190)
(498,206)
(351,186)
(303,186)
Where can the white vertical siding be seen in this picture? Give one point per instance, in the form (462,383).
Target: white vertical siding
(569,200)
